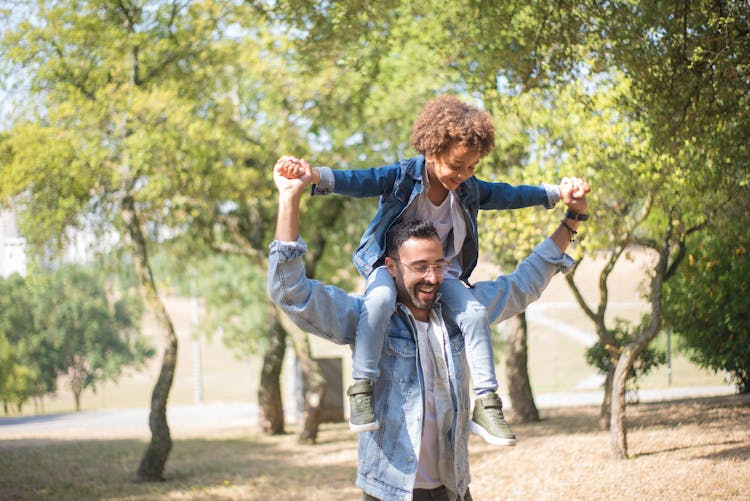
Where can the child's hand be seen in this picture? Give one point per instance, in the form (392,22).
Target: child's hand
(573,192)
(292,167)
(573,188)
(291,174)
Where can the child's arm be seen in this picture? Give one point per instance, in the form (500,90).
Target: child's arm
(355,183)
(503,196)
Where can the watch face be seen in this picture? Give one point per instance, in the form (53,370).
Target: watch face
(578,217)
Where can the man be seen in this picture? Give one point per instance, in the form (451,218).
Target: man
(420,450)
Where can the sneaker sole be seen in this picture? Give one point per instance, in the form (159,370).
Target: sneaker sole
(489,438)
(359,428)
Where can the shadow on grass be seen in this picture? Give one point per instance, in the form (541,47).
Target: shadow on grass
(722,455)
(734,411)
(41,418)
(252,467)
(564,420)
(735,454)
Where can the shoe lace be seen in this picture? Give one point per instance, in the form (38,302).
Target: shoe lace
(494,411)
(496,415)
(361,401)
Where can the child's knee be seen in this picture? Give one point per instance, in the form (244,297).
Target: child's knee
(381,298)
(475,316)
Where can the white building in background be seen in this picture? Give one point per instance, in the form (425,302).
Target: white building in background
(12,246)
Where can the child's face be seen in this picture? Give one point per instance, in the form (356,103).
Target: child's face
(452,167)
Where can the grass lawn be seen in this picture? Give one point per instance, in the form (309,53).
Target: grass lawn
(684,450)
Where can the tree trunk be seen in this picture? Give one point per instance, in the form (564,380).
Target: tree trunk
(271,418)
(618,426)
(315,389)
(517,370)
(605,413)
(152,464)
(618,430)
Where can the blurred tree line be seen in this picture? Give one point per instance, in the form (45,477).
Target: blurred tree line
(65,322)
(159,121)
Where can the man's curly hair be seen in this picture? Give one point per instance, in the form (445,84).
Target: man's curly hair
(446,120)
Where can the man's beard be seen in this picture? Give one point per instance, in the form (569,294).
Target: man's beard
(422,294)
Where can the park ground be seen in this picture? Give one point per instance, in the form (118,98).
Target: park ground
(687,449)
(682,447)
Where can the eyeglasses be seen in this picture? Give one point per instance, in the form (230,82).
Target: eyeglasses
(423,268)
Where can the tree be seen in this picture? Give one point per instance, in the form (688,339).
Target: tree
(688,69)
(130,123)
(33,361)
(64,323)
(686,64)
(517,370)
(706,304)
(94,336)
(24,371)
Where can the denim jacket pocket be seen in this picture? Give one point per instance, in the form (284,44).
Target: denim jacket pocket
(400,358)
(402,347)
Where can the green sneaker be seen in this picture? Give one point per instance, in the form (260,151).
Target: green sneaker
(489,423)
(361,411)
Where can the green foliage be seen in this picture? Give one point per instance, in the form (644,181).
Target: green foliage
(572,130)
(707,303)
(94,336)
(135,99)
(235,303)
(29,365)
(231,291)
(600,355)
(186,110)
(65,322)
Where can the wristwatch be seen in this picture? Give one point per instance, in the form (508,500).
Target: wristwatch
(576,217)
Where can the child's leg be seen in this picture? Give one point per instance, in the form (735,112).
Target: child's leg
(472,319)
(379,305)
(487,419)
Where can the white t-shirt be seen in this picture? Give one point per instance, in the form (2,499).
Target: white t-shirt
(435,465)
(428,473)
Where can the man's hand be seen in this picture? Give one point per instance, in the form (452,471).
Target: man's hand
(290,193)
(291,175)
(573,192)
(294,168)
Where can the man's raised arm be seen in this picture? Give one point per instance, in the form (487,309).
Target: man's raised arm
(290,193)
(510,294)
(314,307)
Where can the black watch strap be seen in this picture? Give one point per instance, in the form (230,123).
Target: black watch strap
(577,217)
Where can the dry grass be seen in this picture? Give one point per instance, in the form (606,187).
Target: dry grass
(691,449)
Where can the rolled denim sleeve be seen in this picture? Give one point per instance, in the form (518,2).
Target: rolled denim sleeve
(326,184)
(510,294)
(323,310)
(553,194)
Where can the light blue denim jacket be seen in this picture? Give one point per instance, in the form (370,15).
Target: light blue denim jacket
(398,185)
(388,456)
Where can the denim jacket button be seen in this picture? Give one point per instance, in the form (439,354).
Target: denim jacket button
(410,459)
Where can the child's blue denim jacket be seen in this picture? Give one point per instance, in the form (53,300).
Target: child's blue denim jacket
(399,184)
(388,456)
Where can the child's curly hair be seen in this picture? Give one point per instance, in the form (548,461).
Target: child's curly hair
(446,120)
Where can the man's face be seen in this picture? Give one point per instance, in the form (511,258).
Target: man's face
(418,290)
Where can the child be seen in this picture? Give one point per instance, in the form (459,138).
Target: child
(439,185)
